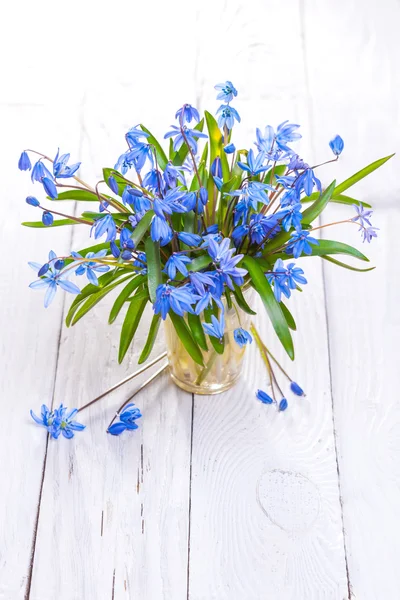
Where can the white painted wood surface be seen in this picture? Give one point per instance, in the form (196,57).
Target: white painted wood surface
(220,497)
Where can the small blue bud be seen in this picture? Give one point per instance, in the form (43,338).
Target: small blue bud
(296,389)
(203,194)
(47,218)
(216,167)
(103,205)
(265,399)
(336,145)
(113,184)
(114,250)
(283,404)
(24,164)
(218,182)
(230,148)
(49,187)
(59,264)
(32,201)
(126,255)
(43,269)
(135,192)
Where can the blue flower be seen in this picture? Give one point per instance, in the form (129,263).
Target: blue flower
(285,133)
(51,279)
(307,180)
(293,217)
(190,134)
(64,423)
(32,201)
(263,227)
(228,91)
(254,164)
(24,164)
(39,171)
(216,167)
(134,134)
(179,299)
(199,280)
(127,418)
(46,418)
(216,328)
(296,389)
(300,243)
(362,215)
(60,167)
(187,113)
(242,337)
(265,141)
(153,180)
(177,262)
(283,404)
(141,261)
(227,115)
(160,231)
(368,233)
(172,175)
(263,396)
(104,225)
(112,182)
(88,267)
(138,155)
(336,145)
(230,149)
(285,278)
(190,239)
(47,218)
(49,187)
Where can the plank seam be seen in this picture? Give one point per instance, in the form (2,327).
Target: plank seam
(190,501)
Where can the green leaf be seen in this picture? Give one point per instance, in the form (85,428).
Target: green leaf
(197,331)
(272,307)
(228,298)
(154,276)
(76,196)
(361,174)
(94,299)
(341,199)
(340,264)
(332,247)
(289,318)
(313,211)
(186,338)
(88,214)
(201,262)
(142,227)
(151,338)
(90,289)
(161,156)
(130,324)
(241,301)
(123,296)
(58,223)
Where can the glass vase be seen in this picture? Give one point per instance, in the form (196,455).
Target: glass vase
(220,371)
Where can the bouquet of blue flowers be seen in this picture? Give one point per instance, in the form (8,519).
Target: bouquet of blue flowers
(188,228)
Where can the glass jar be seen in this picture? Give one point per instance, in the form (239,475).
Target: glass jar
(220,371)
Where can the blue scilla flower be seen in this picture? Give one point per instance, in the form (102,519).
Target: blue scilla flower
(362,215)
(112,182)
(290,197)
(216,328)
(134,134)
(24,164)
(297,164)
(286,133)
(46,418)
(179,299)
(207,299)
(126,244)
(47,218)
(293,217)
(368,233)
(40,171)
(51,279)
(90,267)
(177,262)
(239,233)
(32,201)
(300,243)
(296,389)
(242,337)
(227,91)
(124,163)
(128,418)
(264,397)
(216,167)
(104,225)
(307,180)
(141,261)
(172,175)
(283,404)
(265,141)
(254,164)
(190,239)
(187,113)
(200,280)
(336,145)
(227,115)
(153,180)
(64,423)
(230,149)
(160,231)
(263,227)
(139,154)
(61,168)
(50,187)
(191,135)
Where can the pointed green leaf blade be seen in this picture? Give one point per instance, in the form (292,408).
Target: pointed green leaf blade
(124,295)
(361,174)
(313,211)
(154,276)
(341,264)
(94,299)
(186,338)
(151,338)
(197,331)
(131,323)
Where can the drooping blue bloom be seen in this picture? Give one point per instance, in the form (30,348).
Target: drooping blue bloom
(363,215)
(227,91)
(252,193)
(49,187)
(254,164)
(134,134)
(300,243)
(64,422)
(190,239)
(104,225)
(172,175)
(207,299)
(160,231)
(307,181)
(139,154)
(32,201)
(112,182)
(191,136)
(230,149)
(187,113)
(293,217)
(177,262)
(203,195)
(228,271)
(239,233)
(51,280)
(179,299)
(296,389)
(216,328)
(24,164)
(264,227)
(153,181)
(297,164)
(286,133)
(124,162)
(47,218)
(90,267)
(368,233)
(283,404)
(199,280)
(128,418)
(61,168)
(40,171)
(242,337)
(218,250)
(46,418)
(290,197)
(227,115)
(265,141)
(141,261)
(336,145)
(264,397)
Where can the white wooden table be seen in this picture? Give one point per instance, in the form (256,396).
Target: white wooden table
(213,497)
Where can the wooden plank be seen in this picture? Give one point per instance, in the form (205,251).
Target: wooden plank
(29,338)
(265,514)
(362,308)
